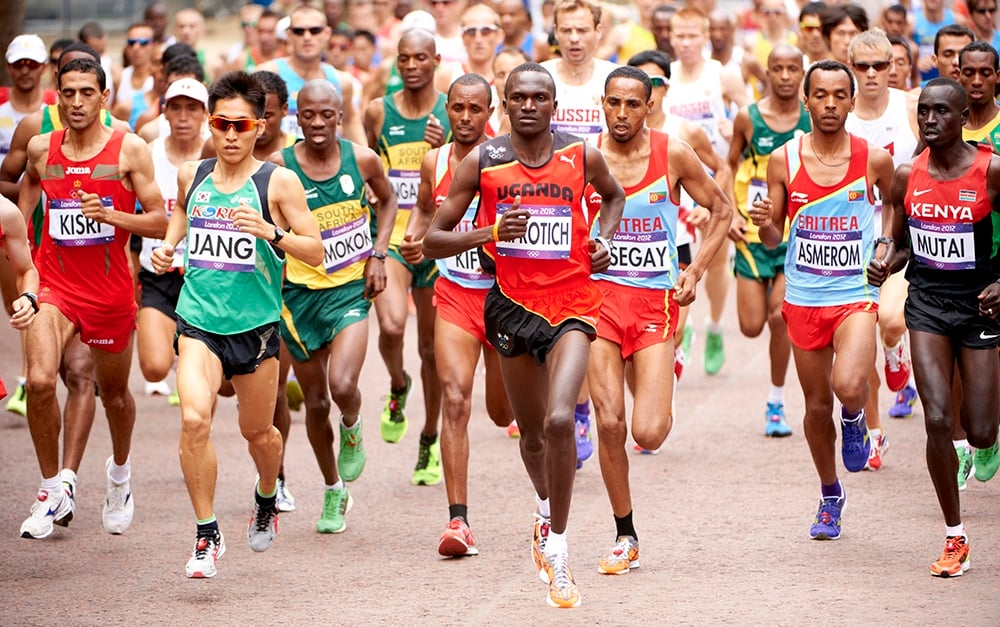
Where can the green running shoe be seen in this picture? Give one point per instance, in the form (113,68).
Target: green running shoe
(428,470)
(715,356)
(351,460)
(18,401)
(987,462)
(393,419)
(965,466)
(336,504)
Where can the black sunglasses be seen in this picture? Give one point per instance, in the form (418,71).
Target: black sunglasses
(299,31)
(143,41)
(878,66)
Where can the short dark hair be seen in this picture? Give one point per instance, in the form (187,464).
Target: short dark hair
(658,57)
(77,46)
(238,85)
(828,65)
(980,46)
(954,86)
(61,44)
(473,79)
(273,84)
(896,8)
(90,30)
(185,65)
(634,73)
(176,51)
(512,51)
(85,66)
(813,8)
(952,30)
(365,34)
(530,66)
(835,14)
(899,41)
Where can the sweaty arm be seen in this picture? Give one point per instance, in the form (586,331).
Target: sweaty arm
(612,194)
(137,162)
(441,240)
(15,243)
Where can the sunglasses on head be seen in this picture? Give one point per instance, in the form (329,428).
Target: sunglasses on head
(659,81)
(299,31)
(142,41)
(878,66)
(484,31)
(240,125)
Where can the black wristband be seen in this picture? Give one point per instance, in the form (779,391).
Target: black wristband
(33,298)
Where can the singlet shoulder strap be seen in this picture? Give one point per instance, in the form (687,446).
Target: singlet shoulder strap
(262,181)
(793,157)
(204,169)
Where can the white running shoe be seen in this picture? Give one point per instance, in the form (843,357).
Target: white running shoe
(68,479)
(161,388)
(208,548)
(118,505)
(286,502)
(48,507)
(262,528)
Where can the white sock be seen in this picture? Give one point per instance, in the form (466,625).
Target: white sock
(961,444)
(337,486)
(911,381)
(556,543)
(50,484)
(22,380)
(957,530)
(357,421)
(713,326)
(777,395)
(543,507)
(120,474)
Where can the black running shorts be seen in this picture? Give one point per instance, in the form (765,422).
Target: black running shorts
(514,331)
(240,353)
(954,317)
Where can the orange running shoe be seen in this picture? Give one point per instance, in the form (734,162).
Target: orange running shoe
(513,431)
(457,540)
(562,589)
(539,536)
(954,559)
(623,557)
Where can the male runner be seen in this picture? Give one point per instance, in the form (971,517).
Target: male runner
(759,130)
(642,289)
(91,177)
(542,313)
(460,294)
(227,313)
(978,64)
(401,128)
(324,320)
(946,231)
(823,183)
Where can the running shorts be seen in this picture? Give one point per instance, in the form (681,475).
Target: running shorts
(310,319)
(812,328)
(514,331)
(758,262)
(424,273)
(107,328)
(161,291)
(240,353)
(635,318)
(956,318)
(462,307)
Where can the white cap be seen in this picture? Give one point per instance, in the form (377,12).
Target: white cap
(281,28)
(419,19)
(29,47)
(187,87)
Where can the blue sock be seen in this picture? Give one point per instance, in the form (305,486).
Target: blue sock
(582,411)
(835,490)
(848,416)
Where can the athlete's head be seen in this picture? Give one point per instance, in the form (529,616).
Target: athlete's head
(811,30)
(656,65)
(85,66)
(626,102)
(236,109)
(416,59)
(320,110)
(470,105)
(978,64)
(185,109)
(530,99)
(481,33)
(840,24)
(785,71)
(238,86)
(82,92)
(660,27)
(894,20)
(577,30)
(308,33)
(948,42)
(688,33)
(829,95)
(870,55)
(942,110)
(902,63)
(505,61)
(275,105)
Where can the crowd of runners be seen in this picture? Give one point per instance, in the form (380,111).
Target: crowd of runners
(543,186)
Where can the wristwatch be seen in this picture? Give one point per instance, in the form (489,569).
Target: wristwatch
(33,298)
(378,255)
(278,234)
(603,241)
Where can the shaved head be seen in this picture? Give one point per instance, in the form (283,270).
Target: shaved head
(420,38)
(784,51)
(320,88)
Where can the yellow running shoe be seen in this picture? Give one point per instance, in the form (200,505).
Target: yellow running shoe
(623,557)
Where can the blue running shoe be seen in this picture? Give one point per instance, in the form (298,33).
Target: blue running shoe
(856,445)
(584,444)
(776,427)
(826,526)
(905,399)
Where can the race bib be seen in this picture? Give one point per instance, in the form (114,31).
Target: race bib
(150,244)
(943,246)
(465,265)
(828,253)
(405,184)
(756,191)
(640,255)
(346,244)
(290,123)
(549,234)
(69,227)
(218,245)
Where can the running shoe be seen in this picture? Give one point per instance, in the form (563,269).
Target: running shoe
(776,427)
(262,528)
(715,355)
(293,394)
(49,506)
(897,366)
(119,507)
(539,537)
(584,439)
(562,589)
(513,431)
(987,462)
(457,540)
(645,451)
(966,465)
(68,479)
(428,470)
(18,401)
(687,339)
(879,446)
(826,525)
(285,500)
(157,388)
(954,560)
(336,504)
(680,361)
(209,546)
(623,557)
(393,419)
(905,399)
(174,400)
(856,445)
(351,459)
